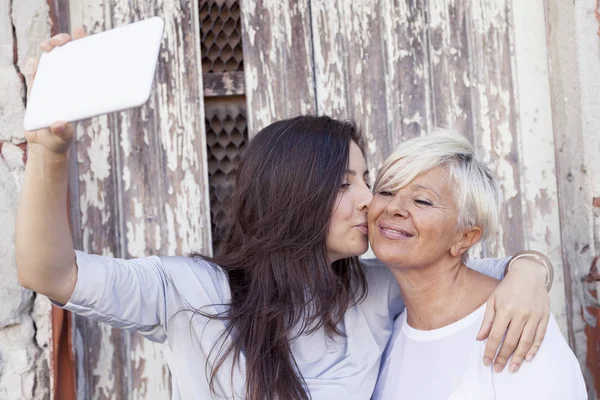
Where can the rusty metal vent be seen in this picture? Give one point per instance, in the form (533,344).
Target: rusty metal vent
(221,30)
(226,135)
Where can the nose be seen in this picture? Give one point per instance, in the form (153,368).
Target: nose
(365,199)
(396,206)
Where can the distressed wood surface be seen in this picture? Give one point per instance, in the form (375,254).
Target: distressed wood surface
(539,187)
(407,74)
(143,189)
(494,115)
(276,37)
(449,59)
(350,69)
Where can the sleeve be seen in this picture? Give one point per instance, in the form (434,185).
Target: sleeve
(554,373)
(135,294)
(493,267)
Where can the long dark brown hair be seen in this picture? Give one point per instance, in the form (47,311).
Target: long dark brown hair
(275,255)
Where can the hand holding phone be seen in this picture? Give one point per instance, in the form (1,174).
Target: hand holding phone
(93,75)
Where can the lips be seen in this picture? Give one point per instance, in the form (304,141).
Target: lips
(394,233)
(362,227)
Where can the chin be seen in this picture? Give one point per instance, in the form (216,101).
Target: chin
(359,251)
(385,256)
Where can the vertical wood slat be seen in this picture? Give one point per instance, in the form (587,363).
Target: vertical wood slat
(449,64)
(143,189)
(539,192)
(276,37)
(350,69)
(493,113)
(408,90)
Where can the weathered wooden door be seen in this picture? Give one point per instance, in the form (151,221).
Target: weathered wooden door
(141,189)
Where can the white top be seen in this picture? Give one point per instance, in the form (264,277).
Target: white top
(146,294)
(446,364)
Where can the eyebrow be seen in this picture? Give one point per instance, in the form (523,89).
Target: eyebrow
(428,188)
(353,172)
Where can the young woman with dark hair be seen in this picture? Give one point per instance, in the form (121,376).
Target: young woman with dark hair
(285,310)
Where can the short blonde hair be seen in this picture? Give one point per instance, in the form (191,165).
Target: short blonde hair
(476,194)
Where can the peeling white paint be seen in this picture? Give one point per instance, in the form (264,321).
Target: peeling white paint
(537,144)
(136,231)
(102,372)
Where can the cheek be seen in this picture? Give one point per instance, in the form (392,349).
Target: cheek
(376,208)
(342,214)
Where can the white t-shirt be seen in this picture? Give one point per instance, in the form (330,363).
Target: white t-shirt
(447,364)
(150,295)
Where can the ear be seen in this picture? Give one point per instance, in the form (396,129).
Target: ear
(469,237)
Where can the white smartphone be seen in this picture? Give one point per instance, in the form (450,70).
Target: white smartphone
(99,74)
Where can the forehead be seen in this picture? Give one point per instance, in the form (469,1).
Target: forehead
(437,178)
(356,161)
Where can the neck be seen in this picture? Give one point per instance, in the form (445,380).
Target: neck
(438,295)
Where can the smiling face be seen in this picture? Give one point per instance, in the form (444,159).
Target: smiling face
(347,234)
(416,226)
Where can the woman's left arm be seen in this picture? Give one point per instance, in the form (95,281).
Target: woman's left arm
(519,307)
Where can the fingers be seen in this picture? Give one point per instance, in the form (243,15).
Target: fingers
(510,344)
(79,33)
(57,40)
(495,338)
(62,129)
(524,346)
(540,333)
(488,319)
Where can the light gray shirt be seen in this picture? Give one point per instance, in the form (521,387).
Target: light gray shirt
(151,295)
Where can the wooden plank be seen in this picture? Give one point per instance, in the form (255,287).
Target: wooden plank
(143,188)
(408,90)
(449,64)
(494,116)
(350,69)
(277,60)
(224,84)
(539,192)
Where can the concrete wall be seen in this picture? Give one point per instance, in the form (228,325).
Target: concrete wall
(24,317)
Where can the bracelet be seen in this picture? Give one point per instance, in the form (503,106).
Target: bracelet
(541,260)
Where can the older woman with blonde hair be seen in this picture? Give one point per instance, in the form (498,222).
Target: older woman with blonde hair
(433,200)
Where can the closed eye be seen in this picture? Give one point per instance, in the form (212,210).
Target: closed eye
(385,194)
(423,202)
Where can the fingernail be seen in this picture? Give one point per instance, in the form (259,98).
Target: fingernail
(487,362)
(514,367)
(498,367)
(529,357)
